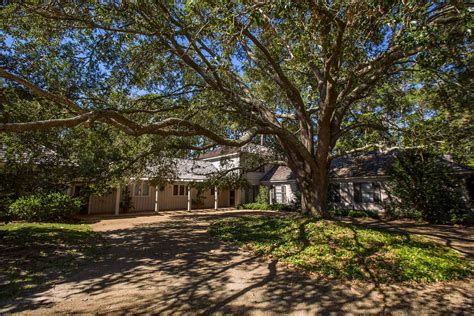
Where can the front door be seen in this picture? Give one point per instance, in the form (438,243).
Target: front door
(232,198)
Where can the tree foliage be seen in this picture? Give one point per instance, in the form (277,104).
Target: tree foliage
(205,73)
(424,183)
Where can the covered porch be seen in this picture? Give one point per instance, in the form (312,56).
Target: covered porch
(179,195)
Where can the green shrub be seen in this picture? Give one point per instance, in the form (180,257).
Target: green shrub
(5,201)
(347,212)
(47,207)
(262,197)
(423,184)
(255,206)
(398,210)
(266,206)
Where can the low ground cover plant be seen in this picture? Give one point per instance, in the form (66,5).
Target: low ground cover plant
(346,212)
(344,251)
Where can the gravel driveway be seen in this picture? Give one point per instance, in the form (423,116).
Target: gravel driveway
(169,264)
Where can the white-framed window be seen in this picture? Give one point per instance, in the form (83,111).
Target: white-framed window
(279,194)
(180,190)
(141,188)
(283,194)
(367,192)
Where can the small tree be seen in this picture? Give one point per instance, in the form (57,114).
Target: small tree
(262,197)
(198,200)
(127,203)
(424,183)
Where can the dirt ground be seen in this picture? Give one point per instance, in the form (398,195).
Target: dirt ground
(168,264)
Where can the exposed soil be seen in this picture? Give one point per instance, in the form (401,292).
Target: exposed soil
(169,264)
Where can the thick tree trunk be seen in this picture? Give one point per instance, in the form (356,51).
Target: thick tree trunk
(321,192)
(314,194)
(311,168)
(313,185)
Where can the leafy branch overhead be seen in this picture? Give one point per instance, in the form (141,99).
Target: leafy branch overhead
(224,73)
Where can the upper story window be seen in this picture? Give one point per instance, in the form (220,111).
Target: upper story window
(141,188)
(180,189)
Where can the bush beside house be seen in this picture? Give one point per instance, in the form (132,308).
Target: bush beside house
(266,206)
(423,186)
(262,203)
(44,207)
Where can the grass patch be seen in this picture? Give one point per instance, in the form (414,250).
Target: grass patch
(344,251)
(38,254)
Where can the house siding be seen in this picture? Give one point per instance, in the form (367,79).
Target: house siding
(347,194)
(223,198)
(104,204)
(167,201)
(143,203)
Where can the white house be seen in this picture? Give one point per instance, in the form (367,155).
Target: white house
(356,182)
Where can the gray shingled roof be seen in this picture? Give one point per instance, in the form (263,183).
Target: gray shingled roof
(227,150)
(279,174)
(194,169)
(187,169)
(369,164)
(220,151)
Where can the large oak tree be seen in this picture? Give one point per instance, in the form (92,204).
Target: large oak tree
(222,72)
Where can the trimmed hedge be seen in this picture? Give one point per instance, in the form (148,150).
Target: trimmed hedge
(266,206)
(44,207)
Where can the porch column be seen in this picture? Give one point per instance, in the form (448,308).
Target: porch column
(157,201)
(270,195)
(117,201)
(189,198)
(216,200)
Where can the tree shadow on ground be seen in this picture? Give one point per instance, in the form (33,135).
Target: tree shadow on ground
(35,256)
(460,238)
(174,266)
